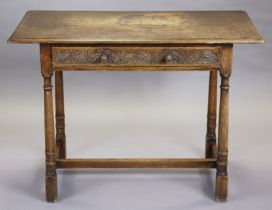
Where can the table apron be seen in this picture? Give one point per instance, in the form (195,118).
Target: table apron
(135,58)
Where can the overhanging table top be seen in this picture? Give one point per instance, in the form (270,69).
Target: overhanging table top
(86,27)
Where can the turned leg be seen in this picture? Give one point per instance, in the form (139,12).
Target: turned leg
(210,151)
(50,153)
(60,119)
(221,190)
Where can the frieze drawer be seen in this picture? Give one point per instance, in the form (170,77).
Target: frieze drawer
(134,56)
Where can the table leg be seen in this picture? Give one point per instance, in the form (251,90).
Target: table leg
(210,151)
(221,190)
(60,118)
(50,153)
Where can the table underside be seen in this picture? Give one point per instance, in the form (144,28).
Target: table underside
(86,57)
(137,58)
(62,57)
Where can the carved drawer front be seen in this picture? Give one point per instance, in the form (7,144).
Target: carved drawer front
(135,56)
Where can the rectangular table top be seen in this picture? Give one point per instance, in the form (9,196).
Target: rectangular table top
(130,27)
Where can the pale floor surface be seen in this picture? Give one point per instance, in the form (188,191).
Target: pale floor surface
(22,172)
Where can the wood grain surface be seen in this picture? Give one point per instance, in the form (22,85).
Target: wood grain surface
(117,27)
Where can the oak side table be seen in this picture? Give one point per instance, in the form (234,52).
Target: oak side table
(136,41)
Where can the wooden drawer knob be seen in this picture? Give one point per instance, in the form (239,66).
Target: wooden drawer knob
(104,59)
(169,59)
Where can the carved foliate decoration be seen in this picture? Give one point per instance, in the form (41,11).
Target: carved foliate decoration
(203,57)
(103,56)
(69,57)
(135,55)
(172,57)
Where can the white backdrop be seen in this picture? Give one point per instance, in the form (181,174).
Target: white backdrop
(135,114)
